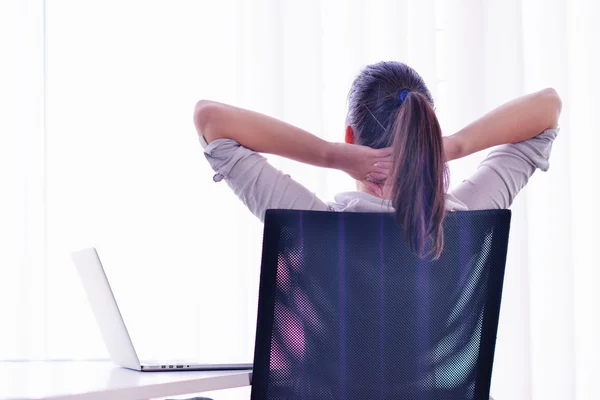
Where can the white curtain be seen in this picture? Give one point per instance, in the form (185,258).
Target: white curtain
(97,148)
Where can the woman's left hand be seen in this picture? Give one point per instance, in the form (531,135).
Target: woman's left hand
(365,164)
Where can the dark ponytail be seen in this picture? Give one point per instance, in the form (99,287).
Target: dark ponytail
(418,175)
(389,104)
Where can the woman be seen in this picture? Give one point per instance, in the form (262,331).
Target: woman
(393,148)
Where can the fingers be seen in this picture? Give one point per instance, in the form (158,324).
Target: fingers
(385,152)
(382,166)
(376,177)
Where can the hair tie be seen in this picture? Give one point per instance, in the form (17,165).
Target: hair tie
(403,94)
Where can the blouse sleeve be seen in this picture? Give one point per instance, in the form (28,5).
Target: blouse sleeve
(258,184)
(505,171)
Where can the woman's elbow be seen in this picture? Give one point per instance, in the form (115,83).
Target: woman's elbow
(554,102)
(204,117)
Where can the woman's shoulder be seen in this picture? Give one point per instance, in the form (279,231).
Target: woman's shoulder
(454,204)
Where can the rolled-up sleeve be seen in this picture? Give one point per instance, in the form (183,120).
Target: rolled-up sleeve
(258,184)
(505,171)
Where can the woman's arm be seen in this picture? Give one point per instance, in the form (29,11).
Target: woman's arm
(505,171)
(264,134)
(513,122)
(260,133)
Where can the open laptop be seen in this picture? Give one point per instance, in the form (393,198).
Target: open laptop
(112,326)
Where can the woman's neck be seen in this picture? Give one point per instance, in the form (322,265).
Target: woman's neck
(360,187)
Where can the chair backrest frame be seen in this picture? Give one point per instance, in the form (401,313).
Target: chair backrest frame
(278,220)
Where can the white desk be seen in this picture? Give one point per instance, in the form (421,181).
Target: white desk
(95,380)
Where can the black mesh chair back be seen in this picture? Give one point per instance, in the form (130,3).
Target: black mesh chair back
(347,311)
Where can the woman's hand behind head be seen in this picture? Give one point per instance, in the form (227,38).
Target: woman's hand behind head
(367,165)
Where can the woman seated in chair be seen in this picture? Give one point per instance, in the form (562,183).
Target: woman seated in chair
(393,147)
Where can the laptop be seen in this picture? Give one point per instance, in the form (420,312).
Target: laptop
(111,324)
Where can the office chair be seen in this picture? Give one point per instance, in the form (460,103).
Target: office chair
(347,311)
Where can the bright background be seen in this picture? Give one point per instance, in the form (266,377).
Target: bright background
(98,148)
